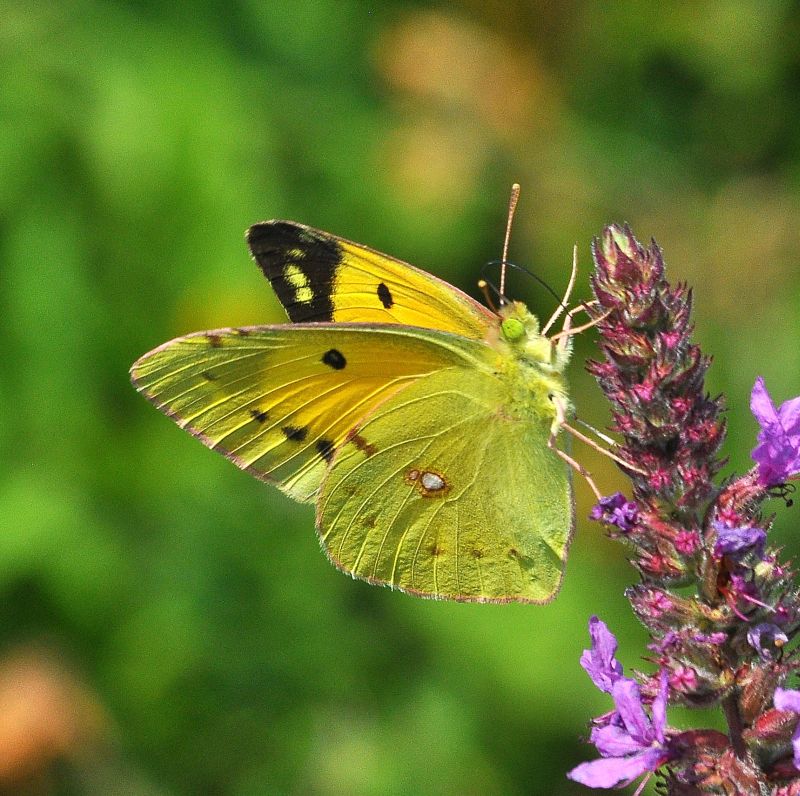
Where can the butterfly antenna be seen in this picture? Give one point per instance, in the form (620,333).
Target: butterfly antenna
(512,206)
(484,286)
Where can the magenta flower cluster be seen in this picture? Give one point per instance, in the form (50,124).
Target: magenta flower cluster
(721,609)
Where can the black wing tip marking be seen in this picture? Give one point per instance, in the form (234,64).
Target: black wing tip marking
(300,263)
(271,241)
(276,232)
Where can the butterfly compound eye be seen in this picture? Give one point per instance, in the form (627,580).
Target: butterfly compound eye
(513,329)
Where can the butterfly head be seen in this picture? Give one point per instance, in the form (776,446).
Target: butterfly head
(516,323)
(520,329)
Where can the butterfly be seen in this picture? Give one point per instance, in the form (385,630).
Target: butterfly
(419,421)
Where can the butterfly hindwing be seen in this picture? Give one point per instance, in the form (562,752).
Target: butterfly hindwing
(320,277)
(279,400)
(459,499)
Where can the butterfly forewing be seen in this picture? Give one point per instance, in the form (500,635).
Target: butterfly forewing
(460,499)
(320,277)
(280,400)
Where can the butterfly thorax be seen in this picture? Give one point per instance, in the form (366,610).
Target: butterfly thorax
(530,363)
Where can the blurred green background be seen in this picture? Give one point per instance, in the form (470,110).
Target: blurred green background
(169,625)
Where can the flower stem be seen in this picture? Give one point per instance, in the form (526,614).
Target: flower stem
(730,706)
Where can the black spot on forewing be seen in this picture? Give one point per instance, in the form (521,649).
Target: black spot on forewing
(295,433)
(385,295)
(325,449)
(278,244)
(259,414)
(209,376)
(214,340)
(334,359)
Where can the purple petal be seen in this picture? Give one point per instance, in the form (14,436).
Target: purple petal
(765,454)
(616,510)
(614,741)
(625,516)
(608,772)
(796,747)
(766,639)
(603,508)
(738,540)
(599,661)
(789,416)
(778,451)
(761,404)
(787,699)
(628,702)
(659,708)
(777,458)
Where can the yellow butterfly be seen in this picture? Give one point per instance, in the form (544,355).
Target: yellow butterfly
(421,422)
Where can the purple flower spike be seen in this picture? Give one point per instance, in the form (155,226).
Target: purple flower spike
(737,541)
(778,449)
(786,699)
(599,661)
(616,510)
(631,744)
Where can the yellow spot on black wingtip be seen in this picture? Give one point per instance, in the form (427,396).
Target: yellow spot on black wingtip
(298,280)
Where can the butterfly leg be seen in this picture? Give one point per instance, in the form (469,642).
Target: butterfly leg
(568,330)
(592,444)
(560,422)
(612,443)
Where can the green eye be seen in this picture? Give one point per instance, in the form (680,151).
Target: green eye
(512,328)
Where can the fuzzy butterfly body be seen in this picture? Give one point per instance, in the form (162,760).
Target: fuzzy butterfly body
(415,418)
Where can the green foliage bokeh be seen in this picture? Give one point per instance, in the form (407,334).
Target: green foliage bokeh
(208,645)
